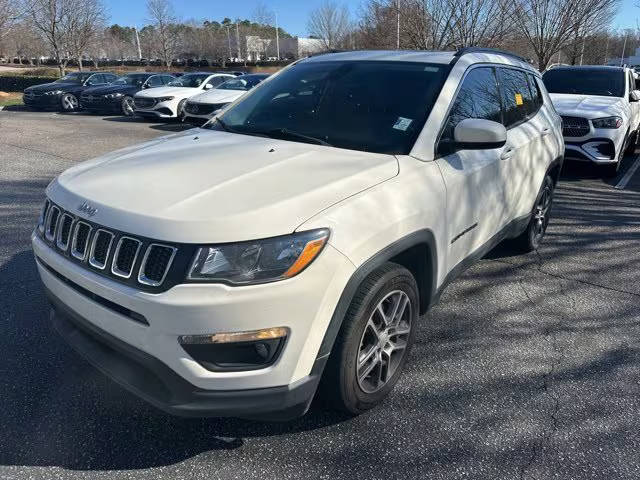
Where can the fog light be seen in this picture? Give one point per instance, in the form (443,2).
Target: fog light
(236,351)
(265,334)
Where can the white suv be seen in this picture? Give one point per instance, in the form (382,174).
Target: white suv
(600,109)
(300,236)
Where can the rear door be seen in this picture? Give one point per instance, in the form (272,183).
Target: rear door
(475,197)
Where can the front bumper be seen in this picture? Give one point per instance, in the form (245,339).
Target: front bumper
(303,304)
(153,381)
(196,120)
(601,146)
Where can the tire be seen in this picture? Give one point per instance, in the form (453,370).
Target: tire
(69,102)
(633,142)
(530,239)
(180,113)
(365,341)
(127,106)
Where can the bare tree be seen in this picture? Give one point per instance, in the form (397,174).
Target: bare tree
(49,17)
(166,29)
(83,26)
(479,22)
(9,13)
(330,23)
(550,25)
(26,42)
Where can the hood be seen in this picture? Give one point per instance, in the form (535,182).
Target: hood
(180,92)
(105,89)
(588,106)
(202,186)
(47,87)
(217,96)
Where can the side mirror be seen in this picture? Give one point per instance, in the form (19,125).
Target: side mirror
(479,134)
(634,96)
(208,86)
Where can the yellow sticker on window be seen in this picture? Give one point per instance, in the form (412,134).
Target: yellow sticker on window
(519,99)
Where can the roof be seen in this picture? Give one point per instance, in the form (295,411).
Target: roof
(468,56)
(385,55)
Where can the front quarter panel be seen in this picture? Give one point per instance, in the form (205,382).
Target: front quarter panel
(366,223)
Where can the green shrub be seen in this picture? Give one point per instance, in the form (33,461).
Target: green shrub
(19,83)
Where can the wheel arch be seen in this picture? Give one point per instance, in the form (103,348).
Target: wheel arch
(416,252)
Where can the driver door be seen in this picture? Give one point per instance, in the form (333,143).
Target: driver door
(476,207)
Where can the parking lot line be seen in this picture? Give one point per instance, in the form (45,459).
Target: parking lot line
(627,176)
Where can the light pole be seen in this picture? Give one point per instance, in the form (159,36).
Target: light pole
(138,43)
(398,25)
(277,39)
(624,45)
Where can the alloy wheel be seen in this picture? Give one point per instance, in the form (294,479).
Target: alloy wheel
(384,341)
(69,102)
(127,106)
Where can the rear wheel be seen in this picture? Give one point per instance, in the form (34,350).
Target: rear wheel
(69,102)
(374,341)
(127,106)
(531,238)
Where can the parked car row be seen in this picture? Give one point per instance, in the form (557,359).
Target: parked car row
(144,94)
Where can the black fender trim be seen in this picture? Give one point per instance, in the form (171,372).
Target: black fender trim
(419,237)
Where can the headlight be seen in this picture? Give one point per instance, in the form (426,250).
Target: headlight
(54,92)
(114,95)
(607,122)
(260,261)
(164,99)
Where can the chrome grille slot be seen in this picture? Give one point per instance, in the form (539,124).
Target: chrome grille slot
(574,126)
(43,215)
(124,257)
(80,241)
(155,264)
(52,222)
(64,231)
(100,248)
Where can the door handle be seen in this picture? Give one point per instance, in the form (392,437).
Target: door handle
(507,153)
(546,131)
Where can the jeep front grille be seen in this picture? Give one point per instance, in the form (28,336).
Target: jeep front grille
(120,256)
(155,264)
(64,232)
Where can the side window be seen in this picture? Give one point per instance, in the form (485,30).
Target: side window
(167,78)
(516,96)
(97,79)
(155,81)
(535,93)
(478,97)
(215,81)
(109,77)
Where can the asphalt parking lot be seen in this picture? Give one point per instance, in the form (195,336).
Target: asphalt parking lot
(529,368)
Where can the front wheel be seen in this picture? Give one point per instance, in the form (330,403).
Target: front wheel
(531,238)
(180,113)
(127,106)
(374,341)
(69,102)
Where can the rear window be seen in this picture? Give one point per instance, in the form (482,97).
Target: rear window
(585,81)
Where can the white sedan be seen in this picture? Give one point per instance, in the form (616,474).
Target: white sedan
(168,102)
(201,108)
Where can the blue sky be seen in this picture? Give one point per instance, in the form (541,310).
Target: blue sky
(292,14)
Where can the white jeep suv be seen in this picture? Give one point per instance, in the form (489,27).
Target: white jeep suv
(600,109)
(297,240)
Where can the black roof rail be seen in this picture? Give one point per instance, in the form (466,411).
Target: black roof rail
(325,52)
(465,50)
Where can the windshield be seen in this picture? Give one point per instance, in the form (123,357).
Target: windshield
(585,81)
(370,106)
(136,80)
(191,80)
(75,77)
(247,82)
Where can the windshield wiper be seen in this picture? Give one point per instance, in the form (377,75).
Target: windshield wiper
(291,134)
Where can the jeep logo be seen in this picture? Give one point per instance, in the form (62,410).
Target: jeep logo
(87,209)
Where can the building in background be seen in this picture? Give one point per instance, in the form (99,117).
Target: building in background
(290,48)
